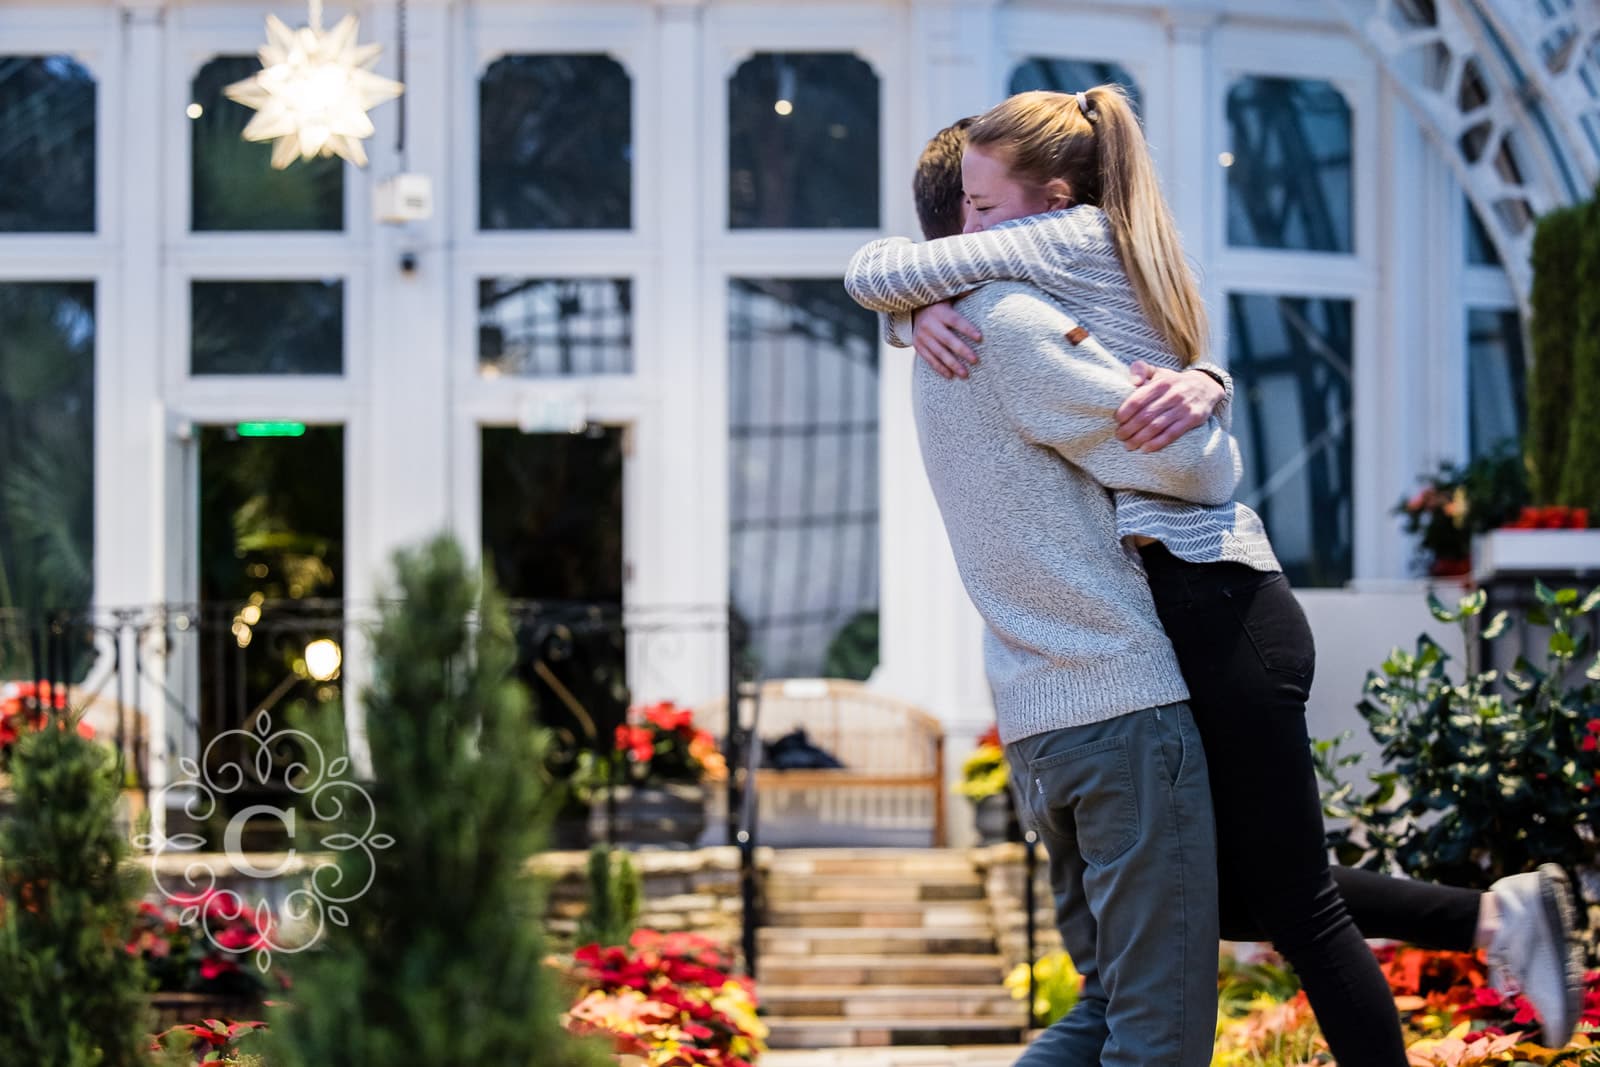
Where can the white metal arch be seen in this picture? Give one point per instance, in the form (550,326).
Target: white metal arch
(1508,90)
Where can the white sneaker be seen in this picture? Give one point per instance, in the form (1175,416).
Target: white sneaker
(1535,951)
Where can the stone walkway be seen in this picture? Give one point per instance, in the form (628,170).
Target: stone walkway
(930,1056)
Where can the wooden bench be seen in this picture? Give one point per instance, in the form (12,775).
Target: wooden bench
(891,786)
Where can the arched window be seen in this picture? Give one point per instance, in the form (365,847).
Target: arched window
(803,143)
(233,185)
(555,144)
(47,145)
(1073,76)
(1289,166)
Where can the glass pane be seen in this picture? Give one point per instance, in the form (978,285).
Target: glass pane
(803,143)
(552,535)
(1496,379)
(234,185)
(1293,378)
(1289,180)
(47,145)
(555,144)
(544,327)
(47,341)
(267,327)
(803,422)
(1073,76)
(1480,249)
(552,513)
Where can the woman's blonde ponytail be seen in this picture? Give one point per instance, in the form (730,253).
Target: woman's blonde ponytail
(1092,140)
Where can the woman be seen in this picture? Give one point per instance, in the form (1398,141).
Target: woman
(1071,179)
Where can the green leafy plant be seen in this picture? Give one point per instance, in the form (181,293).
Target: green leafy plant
(441,961)
(614,899)
(1484,776)
(70,992)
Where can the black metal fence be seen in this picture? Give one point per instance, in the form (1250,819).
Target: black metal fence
(171,682)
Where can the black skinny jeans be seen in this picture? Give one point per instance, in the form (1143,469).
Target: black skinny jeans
(1248,657)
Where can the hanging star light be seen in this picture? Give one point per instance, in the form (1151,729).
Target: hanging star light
(313,91)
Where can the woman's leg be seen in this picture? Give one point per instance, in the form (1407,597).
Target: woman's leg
(1393,909)
(1248,657)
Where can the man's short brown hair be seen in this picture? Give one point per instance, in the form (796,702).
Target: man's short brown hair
(936,187)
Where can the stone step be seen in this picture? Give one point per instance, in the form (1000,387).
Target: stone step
(904,863)
(857,941)
(926,1056)
(836,888)
(893,914)
(873,970)
(944,1002)
(822,1032)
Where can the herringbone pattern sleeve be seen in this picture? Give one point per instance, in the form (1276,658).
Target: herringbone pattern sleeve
(1072,256)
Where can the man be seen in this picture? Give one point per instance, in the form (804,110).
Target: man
(1087,688)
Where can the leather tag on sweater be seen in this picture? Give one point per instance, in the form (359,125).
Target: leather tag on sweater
(1077,334)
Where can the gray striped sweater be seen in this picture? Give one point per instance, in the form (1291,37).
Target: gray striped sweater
(1072,256)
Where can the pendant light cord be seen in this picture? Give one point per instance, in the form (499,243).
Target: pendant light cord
(316,15)
(400,73)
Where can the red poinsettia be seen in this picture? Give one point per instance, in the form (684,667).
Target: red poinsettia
(660,743)
(27,706)
(668,997)
(1554,517)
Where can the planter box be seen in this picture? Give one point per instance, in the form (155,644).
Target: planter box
(176,1009)
(1509,553)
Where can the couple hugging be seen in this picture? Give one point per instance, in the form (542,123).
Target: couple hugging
(1149,664)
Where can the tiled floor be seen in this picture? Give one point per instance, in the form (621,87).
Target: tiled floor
(933,1056)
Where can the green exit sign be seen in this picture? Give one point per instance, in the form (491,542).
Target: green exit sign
(270,429)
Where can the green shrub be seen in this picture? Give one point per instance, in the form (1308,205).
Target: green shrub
(1553,328)
(441,962)
(1580,481)
(70,993)
(1488,775)
(614,892)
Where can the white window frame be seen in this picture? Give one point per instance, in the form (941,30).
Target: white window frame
(877,35)
(1249,51)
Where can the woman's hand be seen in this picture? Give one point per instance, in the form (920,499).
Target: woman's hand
(1165,405)
(940,336)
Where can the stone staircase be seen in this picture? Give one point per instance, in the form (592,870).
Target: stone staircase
(878,947)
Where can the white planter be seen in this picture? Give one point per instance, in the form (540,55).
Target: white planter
(1502,553)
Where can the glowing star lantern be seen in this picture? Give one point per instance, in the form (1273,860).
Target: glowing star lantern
(314,90)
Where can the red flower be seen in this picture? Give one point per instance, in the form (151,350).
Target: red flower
(1525,1013)
(669,717)
(212,968)
(1590,743)
(638,742)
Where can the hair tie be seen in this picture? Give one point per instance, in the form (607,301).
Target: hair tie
(1083,104)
